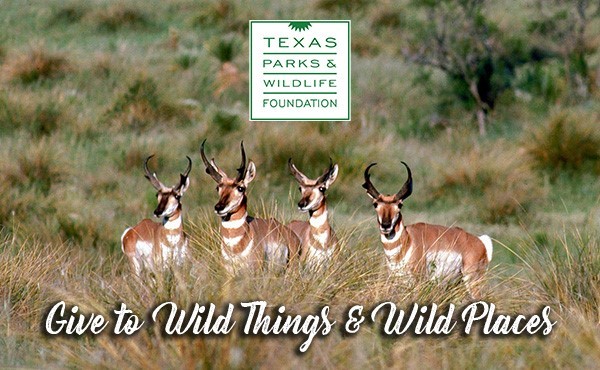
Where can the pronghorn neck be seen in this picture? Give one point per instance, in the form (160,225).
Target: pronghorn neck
(320,231)
(236,219)
(318,218)
(174,221)
(235,232)
(392,243)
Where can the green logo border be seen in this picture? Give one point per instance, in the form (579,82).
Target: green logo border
(348,117)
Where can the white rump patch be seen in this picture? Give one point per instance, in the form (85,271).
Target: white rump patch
(487,243)
(122,236)
(443,264)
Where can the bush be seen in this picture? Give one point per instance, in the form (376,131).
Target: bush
(39,165)
(497,182)
(35,65)
(141,105)
(223,15)
(119,16)
(568,141)
(68,14)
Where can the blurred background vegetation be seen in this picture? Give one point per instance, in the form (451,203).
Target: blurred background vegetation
(494,105)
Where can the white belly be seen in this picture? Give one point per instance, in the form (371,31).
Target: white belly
(276,254)
(143,255)
(443,264)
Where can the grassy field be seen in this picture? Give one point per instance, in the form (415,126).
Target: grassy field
(89,89)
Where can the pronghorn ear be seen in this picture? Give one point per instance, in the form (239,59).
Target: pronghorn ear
(184,183)
(250,173)
(332,176)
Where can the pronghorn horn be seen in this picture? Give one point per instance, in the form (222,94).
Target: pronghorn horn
(151,176)
(327,173)
(368,185)
(242,169)
(211,168)
(407,187)
(299,176)
(184,176)
(189,167)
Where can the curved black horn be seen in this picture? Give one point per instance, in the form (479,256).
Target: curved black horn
(407,187)
(210,169)
(242,169)
(151,176)
(368,185)
(189,167)
(327,173)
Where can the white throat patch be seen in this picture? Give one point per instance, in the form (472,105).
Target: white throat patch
(318,221)
(173,224)
(235,224)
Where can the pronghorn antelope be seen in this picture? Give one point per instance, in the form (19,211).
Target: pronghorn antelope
(150,244)
(318,240)
(437,251)
(248,243)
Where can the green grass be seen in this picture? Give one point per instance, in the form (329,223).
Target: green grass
(90,89)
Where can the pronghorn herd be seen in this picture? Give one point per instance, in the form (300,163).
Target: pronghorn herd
(249,244)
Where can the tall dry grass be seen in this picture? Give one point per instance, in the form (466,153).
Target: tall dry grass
(38,275)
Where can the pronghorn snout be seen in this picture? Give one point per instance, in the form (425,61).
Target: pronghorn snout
(303,203)
(219,207)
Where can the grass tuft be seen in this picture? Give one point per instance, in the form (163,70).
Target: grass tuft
(224,15)
(567,272)
(67,14)
(336,5)
(119,16)
(142,105)
(569,141)
(39,166)
(35,65)
(37,118)
(497,183)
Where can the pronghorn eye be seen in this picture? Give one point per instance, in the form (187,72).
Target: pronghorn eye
(374,205)
(322,189)
(299,188)
(241,189)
